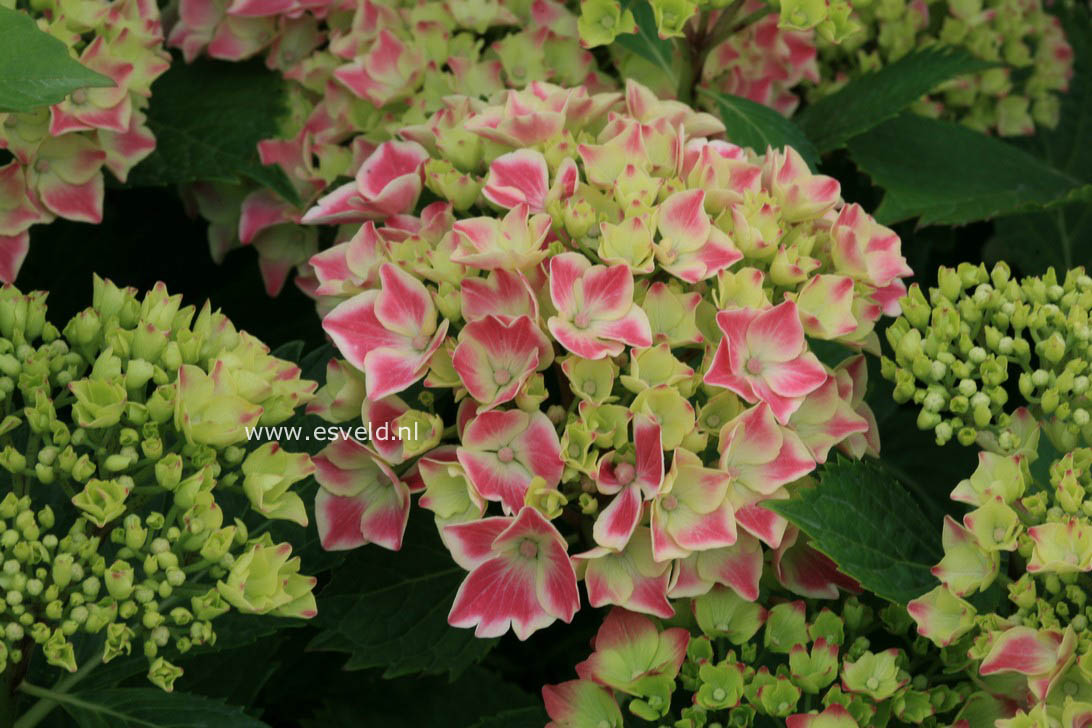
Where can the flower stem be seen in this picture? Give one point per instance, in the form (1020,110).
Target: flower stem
(48,699)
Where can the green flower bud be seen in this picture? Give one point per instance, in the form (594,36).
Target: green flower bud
(119,580)
(162,674)
(99,402)
(101,501)
(59,652)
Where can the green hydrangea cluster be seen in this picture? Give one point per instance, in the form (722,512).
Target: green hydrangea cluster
(1029,44)
(123,451)
(797,664)
(958,354)
(809,659)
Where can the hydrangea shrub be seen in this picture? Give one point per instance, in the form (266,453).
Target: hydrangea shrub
(616,305)
(59,152)
(135,512)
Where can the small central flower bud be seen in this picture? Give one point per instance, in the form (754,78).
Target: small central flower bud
(625,473)
(581,320)
(41,166)
(754,365)
(528,549)
(502,376)
(505,455)
(79,96)
(420,342)
(669,503)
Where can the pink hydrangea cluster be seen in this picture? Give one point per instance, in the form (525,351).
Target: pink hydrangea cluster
(591,354)
(358,72)
(59,151)
(763,63)
(1031,535)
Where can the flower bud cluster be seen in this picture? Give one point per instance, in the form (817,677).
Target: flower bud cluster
(745,665)
(958,354)
(59,151)
(614,305)
(136,413)
(356,74)
(1032,646)
(1011,99)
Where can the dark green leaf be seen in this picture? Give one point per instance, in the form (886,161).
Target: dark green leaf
(390,610)
(530,717)
(646,42)
(290,350)
(871,99)
(152,708)
(865,521)
(1061,238)
(948,174)
(757,126)
(36,68)
(208,118)
(478,695)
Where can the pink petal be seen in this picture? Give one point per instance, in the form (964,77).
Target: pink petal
(795,378)
(738,566)
(496,596)
(262,209)
(585,343)
(608,292)
(650,454)
(13,251)
(391,163)
(1023,650)
(343,205)
(338,521)
(682,217)
(82,203)
(404,306)
(776,334)
(633,329)
(355,329)
(617,521)
(516,178)
(504,293)
(566,270)
(471,544)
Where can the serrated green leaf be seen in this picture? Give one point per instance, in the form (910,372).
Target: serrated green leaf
(208,118)
(873,98)
(152,708)
(646,42)
(947,174)
(389,610)
(757,126)
(1061,238)
(865,521)
(36,68)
